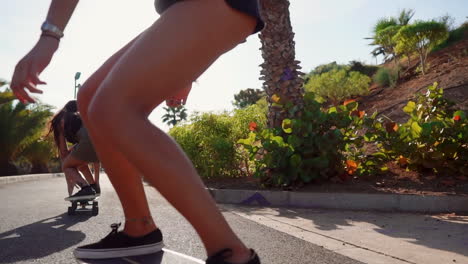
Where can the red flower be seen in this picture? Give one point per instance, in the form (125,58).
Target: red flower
(456,118)
(252,126)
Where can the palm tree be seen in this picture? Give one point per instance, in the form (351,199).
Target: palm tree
(40,153)
(280,70)
(384,31)
(20,125)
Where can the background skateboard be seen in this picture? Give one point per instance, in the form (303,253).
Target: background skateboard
(84,205)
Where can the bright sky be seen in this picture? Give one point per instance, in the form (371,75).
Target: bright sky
(326,30)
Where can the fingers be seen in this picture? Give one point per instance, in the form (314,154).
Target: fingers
(20,94)
(25,78)
(35,79)
(26,98)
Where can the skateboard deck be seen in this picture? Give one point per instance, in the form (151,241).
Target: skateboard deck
(84,205)
(164,257)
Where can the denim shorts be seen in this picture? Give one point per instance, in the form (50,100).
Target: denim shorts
(250,7)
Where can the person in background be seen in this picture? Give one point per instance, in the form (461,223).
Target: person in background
(67,126)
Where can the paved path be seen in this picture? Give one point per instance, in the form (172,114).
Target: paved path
(372,237)
(34,228)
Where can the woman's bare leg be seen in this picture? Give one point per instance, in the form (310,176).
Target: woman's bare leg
(70,167)
(84,169)
(123,176)
(96,168)
(185,41)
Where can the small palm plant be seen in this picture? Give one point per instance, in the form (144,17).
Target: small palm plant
(174,115)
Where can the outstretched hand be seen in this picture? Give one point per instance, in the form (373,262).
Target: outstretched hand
(26,75)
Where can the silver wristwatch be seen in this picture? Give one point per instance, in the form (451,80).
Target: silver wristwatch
(51,29)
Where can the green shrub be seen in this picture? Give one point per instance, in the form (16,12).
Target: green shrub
(386,77)
(358,66)
(337,85)
(248,97)
(420,37)
(434,138)
(307,148)
(210,141)
(454,36)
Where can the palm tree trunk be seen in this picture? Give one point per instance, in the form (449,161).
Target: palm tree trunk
(280,71)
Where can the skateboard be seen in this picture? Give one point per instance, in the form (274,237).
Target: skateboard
(164,257)
(82,206)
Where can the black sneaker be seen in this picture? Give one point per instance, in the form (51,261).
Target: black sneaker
(85,193)
(219,258)
(117,245)
(96,188)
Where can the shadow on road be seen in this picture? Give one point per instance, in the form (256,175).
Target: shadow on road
(151,258)
(40,239)
(441,232)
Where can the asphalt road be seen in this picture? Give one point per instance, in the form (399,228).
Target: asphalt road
(35,228)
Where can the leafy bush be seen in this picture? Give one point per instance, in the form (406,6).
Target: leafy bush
(454,36)
(307,148)
(210,141)
(434,138)
(324,68)
(323,143)
(337,85)
(40,153)
(420,37)
(368,70)
(386,77)
(248,97)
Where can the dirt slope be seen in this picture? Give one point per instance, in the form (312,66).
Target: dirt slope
(448,67)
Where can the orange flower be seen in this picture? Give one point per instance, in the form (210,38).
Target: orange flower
(275,98)
(351,166)
(456,118)
(402,160)
(358,113)
(391,127)
(349,101)
(252,126)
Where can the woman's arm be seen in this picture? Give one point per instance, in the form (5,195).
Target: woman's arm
(60,12)
(63,149)
(62,143)
(28,69)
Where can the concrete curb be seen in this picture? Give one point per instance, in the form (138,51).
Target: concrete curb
(28,177)
(344,201)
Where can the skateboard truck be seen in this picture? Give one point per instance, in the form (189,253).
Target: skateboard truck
(81,206)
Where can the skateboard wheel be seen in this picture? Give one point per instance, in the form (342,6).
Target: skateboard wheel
(71,211)
(95,211)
